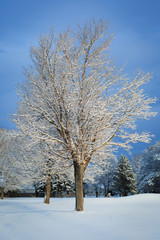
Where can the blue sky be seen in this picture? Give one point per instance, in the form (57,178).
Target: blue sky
(136,25)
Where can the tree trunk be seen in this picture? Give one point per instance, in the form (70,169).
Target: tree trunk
(2,192)
(96,193)
(48,190)
(36,193)
(61,194)
(36,190)
(78,173)
(105,190)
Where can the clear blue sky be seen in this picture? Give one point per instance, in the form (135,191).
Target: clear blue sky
(136,25)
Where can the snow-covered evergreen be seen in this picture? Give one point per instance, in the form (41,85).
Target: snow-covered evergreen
(150,170)
(63,182)
(124,179)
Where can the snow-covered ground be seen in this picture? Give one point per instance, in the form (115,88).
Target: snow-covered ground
(129,218)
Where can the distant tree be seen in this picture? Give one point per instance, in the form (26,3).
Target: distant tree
(76,102)
(124,179)
(96,187)
(136,162)
(23,162)
(106,171)
(99,175)
(91,181)
(37,164)
(9,179)
(150,170)
(39,189)
(63,181)
(61,184)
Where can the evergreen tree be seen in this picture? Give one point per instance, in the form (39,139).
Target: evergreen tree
(149,179)
(61,184)
(124,179)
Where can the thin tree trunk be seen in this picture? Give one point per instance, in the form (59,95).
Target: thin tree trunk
(36,190)
(109,190)
(61,194)
(105,190)
(2,192)
(48,190)
(78,173)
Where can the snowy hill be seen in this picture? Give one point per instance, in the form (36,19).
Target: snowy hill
(129,218)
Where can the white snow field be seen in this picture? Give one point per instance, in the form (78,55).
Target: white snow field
(128,218)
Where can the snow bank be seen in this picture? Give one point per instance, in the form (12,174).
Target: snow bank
(129,218)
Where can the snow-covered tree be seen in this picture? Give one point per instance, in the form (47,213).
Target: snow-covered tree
(61,184)
(76,101)
(136,162)
(100,174)
(106,171)
(91,180)
(48,166)
(124,178)
(150,170)
(9,179)
(37,163)
(24,163)
(63,181)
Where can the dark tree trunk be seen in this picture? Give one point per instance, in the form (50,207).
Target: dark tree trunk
(2,192)
(96,193)
(36,190)
(36,193)
(78,173)
(48,190)
(105,190)
(84,193)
